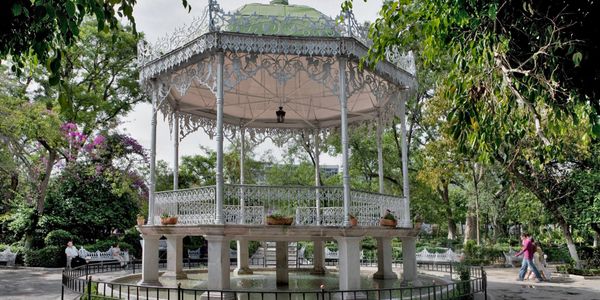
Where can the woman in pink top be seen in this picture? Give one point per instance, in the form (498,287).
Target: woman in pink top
(528,250)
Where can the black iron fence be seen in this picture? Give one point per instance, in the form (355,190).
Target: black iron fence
(467,282)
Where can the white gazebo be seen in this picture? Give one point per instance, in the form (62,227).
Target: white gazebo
(274,70)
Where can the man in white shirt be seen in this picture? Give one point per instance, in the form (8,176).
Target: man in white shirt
(71,252)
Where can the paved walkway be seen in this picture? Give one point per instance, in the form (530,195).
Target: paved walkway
(502,285)
(31,283)
(44,284)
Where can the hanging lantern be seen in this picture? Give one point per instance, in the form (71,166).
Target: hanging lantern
(280,115)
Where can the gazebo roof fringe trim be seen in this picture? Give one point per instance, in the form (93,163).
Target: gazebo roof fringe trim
(187,41)
(190,123)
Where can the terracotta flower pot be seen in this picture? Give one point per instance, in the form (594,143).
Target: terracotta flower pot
(141,221)
(280,220)
(388,222)
(168,220)
(353,221)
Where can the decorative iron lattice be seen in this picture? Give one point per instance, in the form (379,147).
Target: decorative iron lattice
(242,66)
(192,206)
(250,204)
(196,38)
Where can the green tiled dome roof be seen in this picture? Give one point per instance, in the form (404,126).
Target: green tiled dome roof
(280,18)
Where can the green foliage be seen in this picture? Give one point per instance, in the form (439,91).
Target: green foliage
(104,245)
(557,253)
(59,238)
(88,203)
(49,256)
(591,257)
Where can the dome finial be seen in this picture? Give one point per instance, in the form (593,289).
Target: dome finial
(282,2)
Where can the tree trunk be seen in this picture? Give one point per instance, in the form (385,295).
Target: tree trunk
(444,194)
(571,244)
(470,233)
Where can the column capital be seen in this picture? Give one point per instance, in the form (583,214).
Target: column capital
(150,237)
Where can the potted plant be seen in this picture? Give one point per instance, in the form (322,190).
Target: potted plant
(388,219)
(167,219)
(353,220)
(277,218)
(141,220)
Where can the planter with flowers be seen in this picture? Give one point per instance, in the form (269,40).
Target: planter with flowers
(388,220)
(166,219)
(141,220)
(353,220)
(277,218)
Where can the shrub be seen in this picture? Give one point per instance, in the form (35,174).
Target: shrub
(132,238)
(50,256)
(557,253)
(58,237)
(591,257)
(106,244)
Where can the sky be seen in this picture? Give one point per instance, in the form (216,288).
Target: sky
(157,18)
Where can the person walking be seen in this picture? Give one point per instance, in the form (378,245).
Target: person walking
(528,251)
(71,252)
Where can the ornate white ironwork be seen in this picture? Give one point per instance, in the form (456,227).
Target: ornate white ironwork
(197,206)
(192,206)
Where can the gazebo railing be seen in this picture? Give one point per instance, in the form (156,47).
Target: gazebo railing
(250,204)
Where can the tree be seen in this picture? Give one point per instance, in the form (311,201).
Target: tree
(42,30)
(521,85)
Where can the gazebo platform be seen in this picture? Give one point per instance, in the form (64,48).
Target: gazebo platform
(277,232)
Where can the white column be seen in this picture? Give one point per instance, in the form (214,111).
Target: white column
(174,257)
(175,150)
(384,259)
(281,261)
(242,258)
(219,138)
(150,260)
(344,125)
(218,262)
(406,213)
(151,213)
(318,258)
(317,176)
(380,154)
(409,259)
(349,262)
(242,176)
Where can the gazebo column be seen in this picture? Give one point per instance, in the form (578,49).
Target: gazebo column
(218,262)
(349,263)
(409,259)
(384,259)
(175,150)
(242,258)
(405,190)
(344,126)
(150,260)
(152,155)
(174,257)
(318,258)
(317,176)
(281,263)
(242,245)
(380,154)
(219,138)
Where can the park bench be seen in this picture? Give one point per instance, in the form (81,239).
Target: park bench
(331,255)
(511,259)
(8,257)
(101,256)
(448,256)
